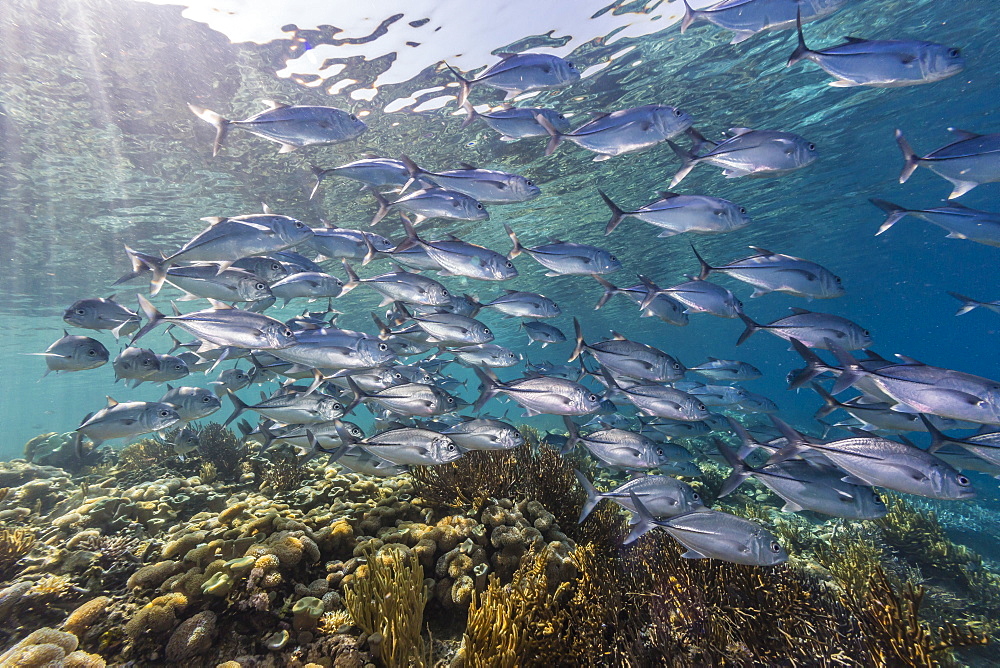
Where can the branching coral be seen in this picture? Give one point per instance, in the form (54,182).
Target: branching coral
(219,446)
(14,544)
(387,602)
(144,454)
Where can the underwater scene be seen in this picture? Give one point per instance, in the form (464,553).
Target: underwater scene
(423,333)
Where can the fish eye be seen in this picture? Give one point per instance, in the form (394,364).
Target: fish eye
(299,224)
(695,496)
(811,147)
(260,286)
(337,406)
(561,117)
(80,311)
(676,365)
(445,292)
(954,53)
(528,182)
(206,399)
(659,452)
(479,206)
(837,278)
(275,267)
(878,499)
(963,481)
(287,332)
(164,413)
(91,352)
(353,117)
(509,264)
(383,346)
(486,330)
(743,209)
(569,65)
(865,332)
(775,547)
(593,397)
(739,303)
(451,400)
(677,112)
(614,259)
(701,407)
(399,375)
(356,431)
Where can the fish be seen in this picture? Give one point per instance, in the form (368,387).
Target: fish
(333,348)
(292,126)
(617,448)
(697,295)
(485,434)
(873,415)
(169,368)
(661,306)
(410,399)
(518,73)
(971,160)
(227,240)
(289,406)
(409,446)
(191,403)
(74,353)
(518,304)
(451,329)
(712,534)
(185,441)
(231,379)
(205,280)
(373,171)
(308,284)
(984,445)
(538,395)
(968,304)
(676,214)
(881,63)
(127,420)
(961,222)
(222,326)
(135,364)
(746,18)
(566,371)
(879,462)
(629,358)
(661,401)
(815,330)
(102,313)
(662,495)
(564,258)
(757,403)
(716,395)
(542,332)
(400,285)
(623,131)
(460,258)
(514,123)
(486,354)
(749,152)
(675,428)
(726,370)
(776,272)
(432,202)
(266,268)
(805,486)
(488,186)
(362,461)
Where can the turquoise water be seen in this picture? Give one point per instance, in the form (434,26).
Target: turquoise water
(99,150)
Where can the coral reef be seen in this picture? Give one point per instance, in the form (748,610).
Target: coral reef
(14,544)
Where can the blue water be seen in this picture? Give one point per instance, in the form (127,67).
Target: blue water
(99,150)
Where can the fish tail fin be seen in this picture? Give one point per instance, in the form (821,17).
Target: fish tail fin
(610,290)
(334,454)
(801,51)
(141,263)
(751,328)
(830,402)
(699,142)
(319,173)
(177,342)
(555,137)
(352,278)
(580,343)
(912,161)
(152,314)
(850,371)
(78,448)
(643,520)
(411,239)
(491,386)
(370,251)
(593,496)
(968,303)
(383,206)
(690,16)
(617,214)
(221,125)
(796,442)
(383,329)
(814,365)
(573,436)
(238,404)
(652,292)
(412,169)
(894,212)
(688,162)
(518,248)
(264,428)
(471,111)
(463,95)
(706,268)
(359,395)
(740,470)
(938,439)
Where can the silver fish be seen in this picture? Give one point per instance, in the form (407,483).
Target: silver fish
(968,304)
(459,258)
(364,462)
(662,495)
(543,332)
(665,308)
(746,18)
(74,353)
(967,162)
(711,534)
(410,399)
(958,220)
(266,268)
(677,214)
(676,428)
(757,403)
(332,348)
(881,63)
(375,172)
(727,370)
(814,330)
(98,313)
(428,203)
(629,358)
(617,447)
(622,131)
(169,368)
(136,364)
(487,354)
(408,446)
(338,242)
(524,305)
(326,434)
(488,186)
(185,441)
(515,123)
(204,280)
(309,285)
(552,396)
(292,126)
(292,407)
(518,73)
(985,445)
(191,403)
(661,401)
(776,272)
(750,153)
(223,326)
(485,434)
(231,379)
(563,258)
(401,286)
(127,420)
(698,295)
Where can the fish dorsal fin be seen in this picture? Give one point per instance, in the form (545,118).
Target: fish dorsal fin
(798,311)
(274,104)
(667,195)
(618,337)
(854,40)
(221,306)
(762,251)
(112,403)
(555,240)
(327,224)
(738,132)
(909,360)
(111,297)
(169,387)
(598,115)
(215,220)
(266,208)
(65,333)
(958,205)
(504,55)
(466,166)
(963,134)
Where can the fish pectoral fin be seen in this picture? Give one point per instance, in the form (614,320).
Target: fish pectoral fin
(956,235)
(128,422)
(791,507)
(693,554)
(852,480)
(841,83)
(603,157)
(734,173)
(951,395)
(961,187)
(287,148)
(667,233)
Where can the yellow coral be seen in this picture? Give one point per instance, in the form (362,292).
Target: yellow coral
(14,544)
(83,618)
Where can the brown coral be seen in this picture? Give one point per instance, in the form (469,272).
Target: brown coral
(14,544)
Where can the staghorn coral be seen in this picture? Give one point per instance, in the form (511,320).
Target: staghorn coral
(14,544)
(387,601)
